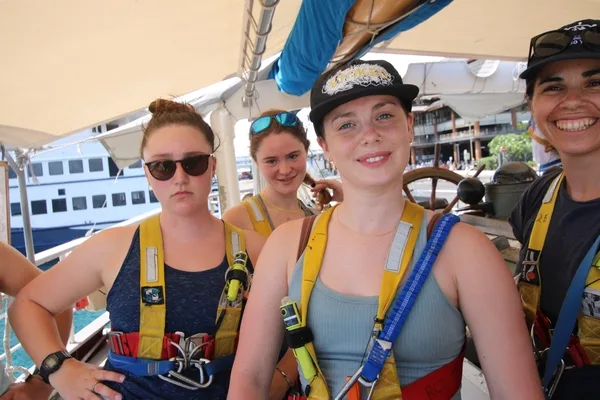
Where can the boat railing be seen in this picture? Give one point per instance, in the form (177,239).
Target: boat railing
(78,339)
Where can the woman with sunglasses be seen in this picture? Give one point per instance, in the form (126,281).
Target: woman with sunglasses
(353,262)
(176,311)
(558,218)
(279,146)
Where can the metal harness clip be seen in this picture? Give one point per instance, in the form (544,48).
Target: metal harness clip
(189,349)
(357,379)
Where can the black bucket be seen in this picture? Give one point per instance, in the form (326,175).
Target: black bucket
(504,197)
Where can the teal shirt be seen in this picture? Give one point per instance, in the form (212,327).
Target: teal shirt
(433,334)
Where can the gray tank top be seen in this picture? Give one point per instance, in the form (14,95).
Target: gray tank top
(433,334)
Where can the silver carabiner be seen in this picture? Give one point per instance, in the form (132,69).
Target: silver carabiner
(556,378)
(177,374)
(354,379)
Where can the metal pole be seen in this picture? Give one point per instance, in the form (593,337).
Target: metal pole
(29,250)
(227,175)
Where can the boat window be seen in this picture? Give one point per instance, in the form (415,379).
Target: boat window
(138,197)
(15,208)
(113,169)
(55,168)
(153,198)
(61,192)
(95,165)
(79,203)
(99,201)
(38,207)
(137,164)
(59,205)
(76,166)
(37,169)
(118,199)
(11,173)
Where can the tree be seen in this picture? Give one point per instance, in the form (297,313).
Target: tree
(517,146)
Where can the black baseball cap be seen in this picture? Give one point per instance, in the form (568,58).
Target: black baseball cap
(354,80)
(577,40)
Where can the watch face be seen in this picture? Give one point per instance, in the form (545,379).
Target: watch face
(52,362)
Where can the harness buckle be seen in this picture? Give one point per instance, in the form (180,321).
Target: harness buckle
(190,348)
(115,336)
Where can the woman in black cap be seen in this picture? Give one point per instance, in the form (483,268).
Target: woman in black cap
(351,263)
(558,217)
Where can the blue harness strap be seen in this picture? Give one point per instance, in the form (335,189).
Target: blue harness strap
(567,317)
(397,315)
(141,366)
(144,367)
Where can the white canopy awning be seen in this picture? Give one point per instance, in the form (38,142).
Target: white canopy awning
(70,64)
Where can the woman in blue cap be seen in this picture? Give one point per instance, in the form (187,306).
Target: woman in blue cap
(558,217)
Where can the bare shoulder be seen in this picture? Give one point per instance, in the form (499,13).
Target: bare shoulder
(466,242)
(238,216)
(93,252)
(120,236)
(474,263)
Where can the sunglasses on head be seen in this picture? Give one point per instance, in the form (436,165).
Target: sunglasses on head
(192,165)
(553,42)
(263,123)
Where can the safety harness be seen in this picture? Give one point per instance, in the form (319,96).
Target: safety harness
(259,216)
(378,373)
(582,349)
(151,351)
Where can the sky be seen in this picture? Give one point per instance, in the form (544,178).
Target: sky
(401,63)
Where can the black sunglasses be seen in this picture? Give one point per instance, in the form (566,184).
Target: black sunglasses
(553,42)
(165,170)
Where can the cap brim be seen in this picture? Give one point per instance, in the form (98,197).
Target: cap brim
(532,71)
(406,93)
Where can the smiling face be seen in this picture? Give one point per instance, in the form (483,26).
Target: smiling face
(182,194)
(281,160)
(566,106)
(368,139)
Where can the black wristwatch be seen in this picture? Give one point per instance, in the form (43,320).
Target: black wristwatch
(52,363)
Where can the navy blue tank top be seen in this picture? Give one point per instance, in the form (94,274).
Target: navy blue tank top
(192,299)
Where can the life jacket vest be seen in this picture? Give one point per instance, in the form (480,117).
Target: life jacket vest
(398,260)
(151,342)
(259,216)
(584,349)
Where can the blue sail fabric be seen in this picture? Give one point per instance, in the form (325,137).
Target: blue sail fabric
(315,37)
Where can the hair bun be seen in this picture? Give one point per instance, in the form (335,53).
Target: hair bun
(164,106)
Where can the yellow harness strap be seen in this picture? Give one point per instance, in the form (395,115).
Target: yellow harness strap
(153,292)
(530,287)
(388,386)
(153,308)
(229,313)
(258,216)
(530,284)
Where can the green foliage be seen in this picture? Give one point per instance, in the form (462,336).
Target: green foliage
(518,146)
(491,162)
